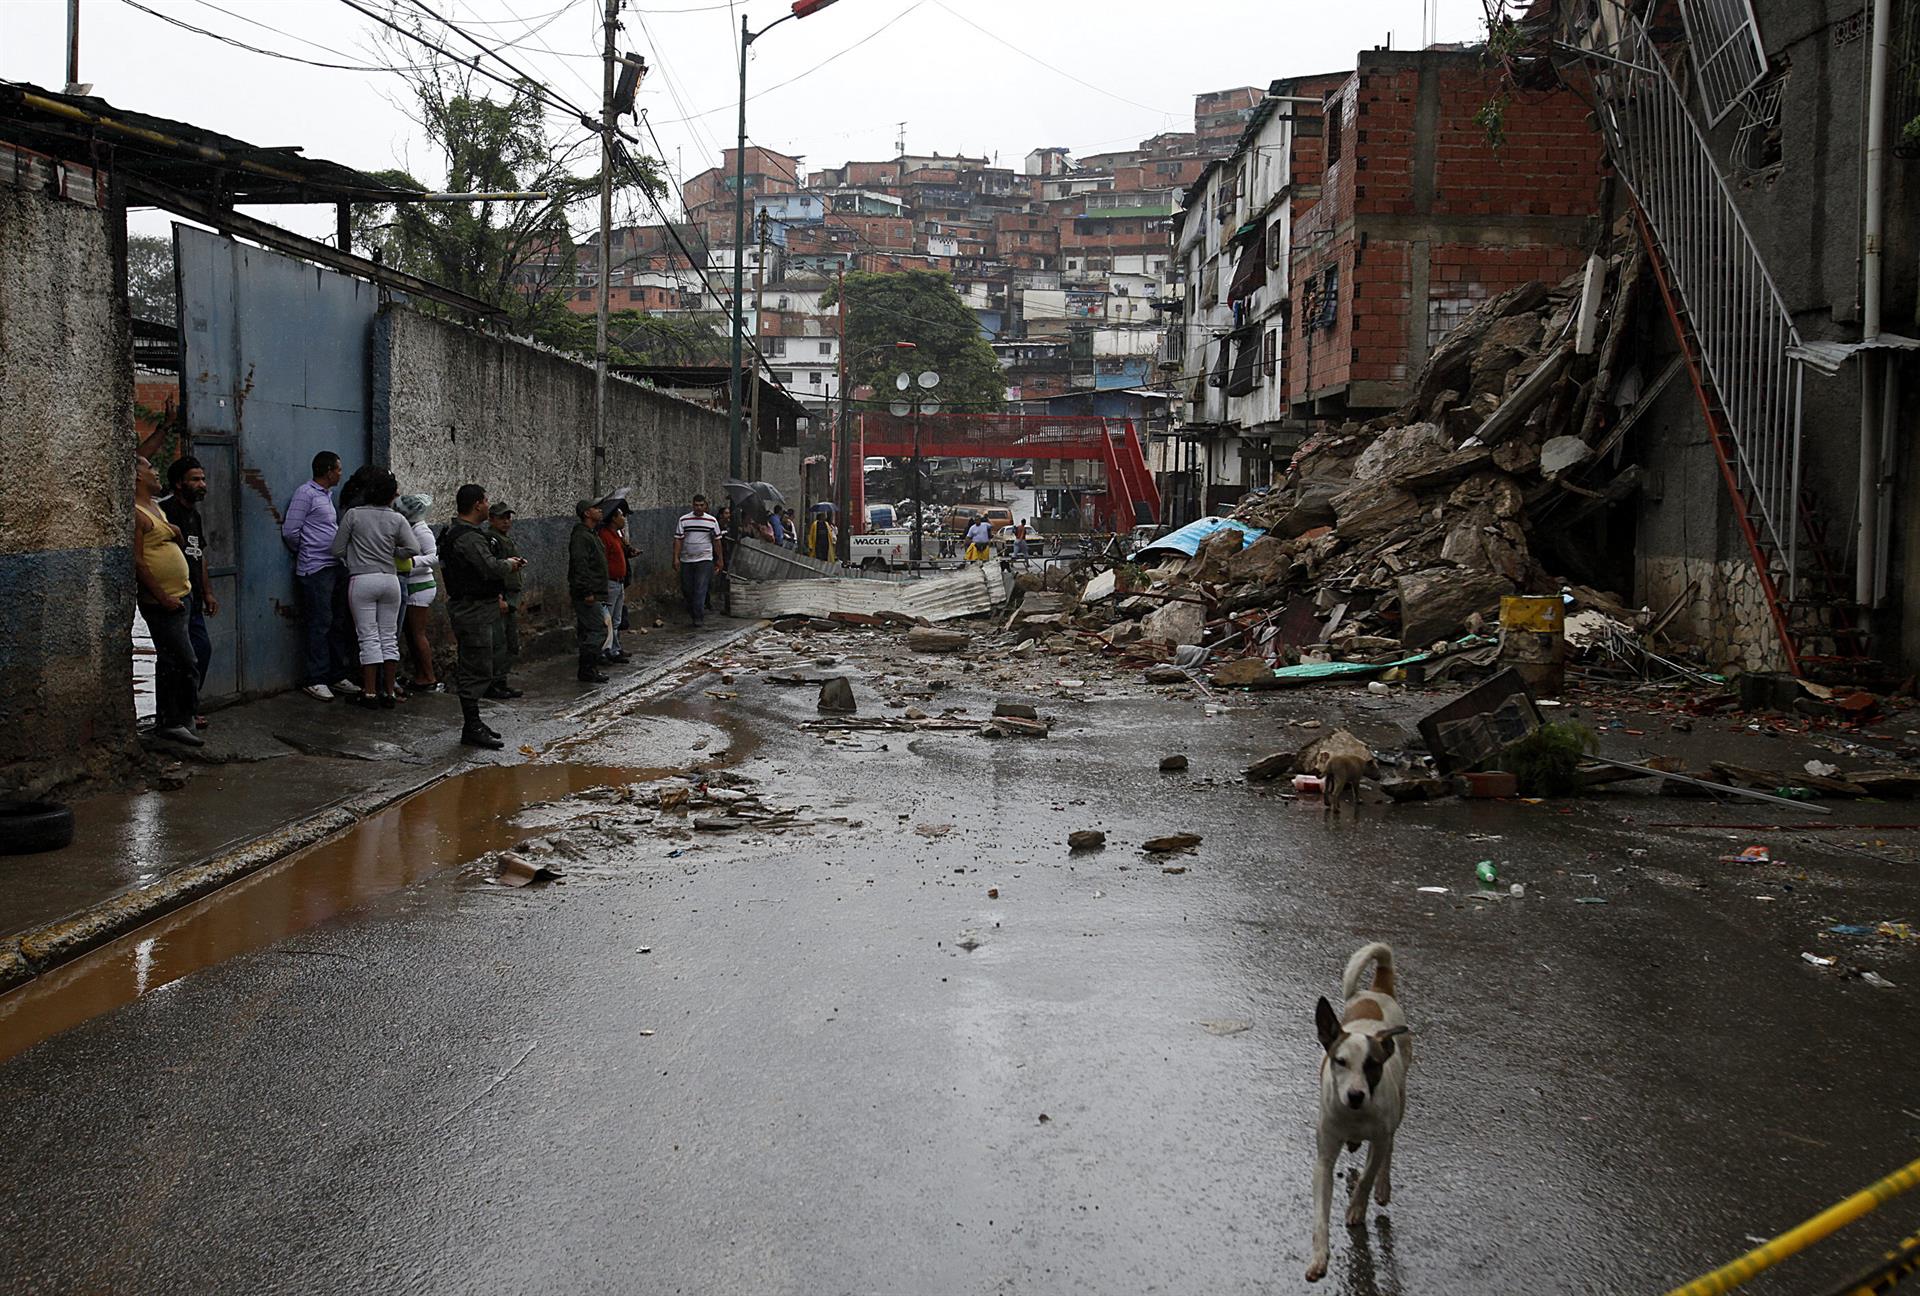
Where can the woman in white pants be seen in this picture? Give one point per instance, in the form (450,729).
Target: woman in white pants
(421,588)
(372,539)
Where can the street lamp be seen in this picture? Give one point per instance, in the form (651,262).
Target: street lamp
(801,9)
(918,398)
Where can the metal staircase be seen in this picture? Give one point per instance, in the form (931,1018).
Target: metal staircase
(1734,333)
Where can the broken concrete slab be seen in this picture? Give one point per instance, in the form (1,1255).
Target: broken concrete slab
(1246,672)
(1268,768)
(1176,622)
(1019,710)
(1165,674)
(1086,839)
(1013,727)
(1563,452)
(928,640)
(1171,842)
(1172,764)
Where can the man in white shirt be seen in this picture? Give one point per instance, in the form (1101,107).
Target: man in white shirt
(696,552)
(979,541)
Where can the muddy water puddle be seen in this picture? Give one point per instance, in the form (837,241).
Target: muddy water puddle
(447,824)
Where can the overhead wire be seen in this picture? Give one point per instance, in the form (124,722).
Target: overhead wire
(809,71)
(1043,63)
(269,53)
(472,63)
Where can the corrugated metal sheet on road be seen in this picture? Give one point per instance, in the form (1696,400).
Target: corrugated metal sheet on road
(756,560)
(977,588)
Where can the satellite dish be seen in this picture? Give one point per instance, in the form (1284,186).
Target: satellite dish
(930,407)
(929,379)
(901,381)
(900,409)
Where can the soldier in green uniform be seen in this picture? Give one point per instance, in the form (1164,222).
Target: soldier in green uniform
(507,644)
(587,582)
(476,582)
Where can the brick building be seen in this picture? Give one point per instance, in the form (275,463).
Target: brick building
(1422,218)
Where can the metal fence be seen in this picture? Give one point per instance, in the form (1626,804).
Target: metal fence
(1741,325)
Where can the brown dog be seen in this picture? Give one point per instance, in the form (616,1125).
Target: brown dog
(1340,779)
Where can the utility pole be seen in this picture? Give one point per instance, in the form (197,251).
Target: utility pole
(606,250)
(843,460)
(734,439)
(73,47)
(759,296)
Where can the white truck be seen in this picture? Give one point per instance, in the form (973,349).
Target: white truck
(893,548)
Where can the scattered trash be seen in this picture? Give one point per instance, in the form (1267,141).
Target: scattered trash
(1435,890)
(1171,842)
(1173,868)
(1589,900)
(993,893)
(836,695)
(1896,930)
(1309,785)
(969,942)
(1517,890)
(1486,872)
(517,870)
(1227,1026)
(1815,959)
(1751,855)
(933,830)
(1013,727)
(1820,769)
(1086,839)
(1850,929)
(1378,689)
(1876,980)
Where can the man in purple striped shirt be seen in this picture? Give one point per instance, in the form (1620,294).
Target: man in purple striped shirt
(308,531)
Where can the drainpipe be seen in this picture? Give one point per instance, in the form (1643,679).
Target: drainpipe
(1872,411)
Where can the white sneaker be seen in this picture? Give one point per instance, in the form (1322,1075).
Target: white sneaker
(320,691)
(346,686)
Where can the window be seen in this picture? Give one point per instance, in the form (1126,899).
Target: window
(1270,352)
(813,377)
(1335,113)
(783,377)
(776,346)
(1725,43)
(826,348)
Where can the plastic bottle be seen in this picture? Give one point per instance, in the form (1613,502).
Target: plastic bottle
(1486,872)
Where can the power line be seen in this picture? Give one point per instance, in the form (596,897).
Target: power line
(256,49)
(502,60)
(810,71)
(525,86)
(1050,67)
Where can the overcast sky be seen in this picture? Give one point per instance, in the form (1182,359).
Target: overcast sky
(992,77)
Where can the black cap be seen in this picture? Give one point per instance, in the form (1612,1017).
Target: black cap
(500,510)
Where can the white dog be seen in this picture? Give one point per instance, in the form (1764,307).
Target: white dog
(1363,1091)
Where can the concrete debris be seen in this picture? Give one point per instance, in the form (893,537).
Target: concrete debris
(1246,672)
(1165,674)
(836,695)
(928,640)
(1268,768)
(1086,839)
(1172,764)
(1171,842)
(1019,710)
(1177,622)
(1013,727)
(516,870)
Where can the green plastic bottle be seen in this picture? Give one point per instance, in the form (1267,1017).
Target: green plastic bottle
(1486,872)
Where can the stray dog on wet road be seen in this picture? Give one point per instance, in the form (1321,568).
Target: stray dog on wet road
(1363,1090)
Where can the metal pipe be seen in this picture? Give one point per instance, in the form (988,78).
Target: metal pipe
(1866,577)
(73,46)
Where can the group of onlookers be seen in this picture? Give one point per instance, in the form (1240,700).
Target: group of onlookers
(368,569)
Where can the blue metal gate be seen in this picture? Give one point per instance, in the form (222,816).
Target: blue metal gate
(274,356)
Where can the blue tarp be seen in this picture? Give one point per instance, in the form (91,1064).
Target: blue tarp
(1186,541)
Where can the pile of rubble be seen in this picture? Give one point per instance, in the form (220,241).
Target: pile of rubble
(1405,531)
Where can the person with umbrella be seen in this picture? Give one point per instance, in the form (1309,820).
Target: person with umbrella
(820,533)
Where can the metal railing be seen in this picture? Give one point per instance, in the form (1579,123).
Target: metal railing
(1740,324)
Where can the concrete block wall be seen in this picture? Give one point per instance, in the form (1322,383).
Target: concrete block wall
(452,405)
(66,495)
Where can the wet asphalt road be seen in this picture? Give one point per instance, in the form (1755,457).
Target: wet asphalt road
(765,1066)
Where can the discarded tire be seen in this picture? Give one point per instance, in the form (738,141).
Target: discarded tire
(30,826)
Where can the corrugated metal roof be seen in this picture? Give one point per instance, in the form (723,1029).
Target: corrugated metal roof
(1188,539)
(1827,357)
(977,588)
(756,560)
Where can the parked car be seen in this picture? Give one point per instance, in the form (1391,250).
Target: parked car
(874,464)
(1023,478)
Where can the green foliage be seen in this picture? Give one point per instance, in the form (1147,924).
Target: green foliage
(1545,760)
(634,337)
(1503,42)
(150,278)
(921,307)
(477,248)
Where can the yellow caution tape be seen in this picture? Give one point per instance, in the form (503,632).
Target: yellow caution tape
(1792,1242)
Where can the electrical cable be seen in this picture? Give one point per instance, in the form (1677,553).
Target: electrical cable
(276,54)
(810,71)
(527,86)
(545,92)
(1050,67)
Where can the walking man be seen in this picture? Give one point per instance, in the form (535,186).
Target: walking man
(162,589)
(187,484)
(1020,539)
(307,531)
(476,583)
(696,555)
(587,582)
(500,536)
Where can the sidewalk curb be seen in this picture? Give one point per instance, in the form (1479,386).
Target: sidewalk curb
(30,954)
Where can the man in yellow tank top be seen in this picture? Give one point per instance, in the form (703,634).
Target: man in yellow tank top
(163,587)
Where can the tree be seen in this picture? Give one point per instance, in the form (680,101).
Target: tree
(150,294)
(519,256)
(635,337)
(921,307)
